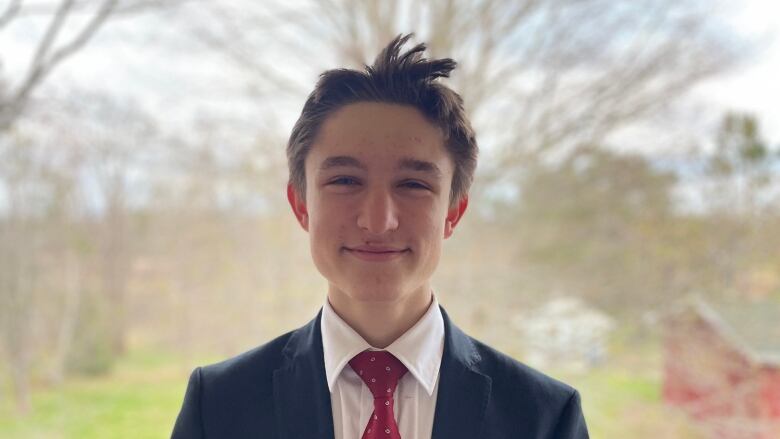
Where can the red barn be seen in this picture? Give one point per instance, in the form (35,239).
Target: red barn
(722,366)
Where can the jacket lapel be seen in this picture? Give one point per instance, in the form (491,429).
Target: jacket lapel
(301,395)
(302,398)
(463,391)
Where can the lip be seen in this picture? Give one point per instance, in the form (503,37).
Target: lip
(376,254)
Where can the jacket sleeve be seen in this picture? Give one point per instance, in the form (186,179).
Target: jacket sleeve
(571,423)
(189,424)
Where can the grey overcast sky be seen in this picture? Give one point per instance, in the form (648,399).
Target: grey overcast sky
(756,86)
(125,61)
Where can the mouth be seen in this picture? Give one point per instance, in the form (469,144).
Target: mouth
(376,254)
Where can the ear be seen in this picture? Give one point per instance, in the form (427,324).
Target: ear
(298,205)
(454,214)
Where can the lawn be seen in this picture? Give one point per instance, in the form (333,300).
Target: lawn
(138,400)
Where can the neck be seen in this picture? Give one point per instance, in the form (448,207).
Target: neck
(380,323)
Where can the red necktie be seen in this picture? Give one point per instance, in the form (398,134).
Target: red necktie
(380,370)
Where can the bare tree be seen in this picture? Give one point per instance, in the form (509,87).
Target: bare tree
(33,232)
(24,177)
(51,222)
(70,26)
(560,73)
(33,184)
(48,52)
(117,140)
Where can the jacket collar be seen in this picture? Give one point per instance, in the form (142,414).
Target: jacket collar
(302,398)
(463,390)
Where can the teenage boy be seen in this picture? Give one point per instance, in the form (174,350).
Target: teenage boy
(380,163)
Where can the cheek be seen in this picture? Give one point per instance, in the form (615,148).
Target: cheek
(328,226)
(430,226)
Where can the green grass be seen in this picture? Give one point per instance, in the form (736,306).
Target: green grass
(141,398)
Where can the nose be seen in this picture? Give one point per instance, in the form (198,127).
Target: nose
(377,214)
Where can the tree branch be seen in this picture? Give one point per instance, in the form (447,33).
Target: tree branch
(10,12)
(44,60)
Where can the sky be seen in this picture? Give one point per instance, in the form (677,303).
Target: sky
(754,87)
(128,63)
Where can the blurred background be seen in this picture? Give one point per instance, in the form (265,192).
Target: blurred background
(623,234)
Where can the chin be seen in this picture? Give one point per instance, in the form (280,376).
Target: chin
(384,291)
(373,294)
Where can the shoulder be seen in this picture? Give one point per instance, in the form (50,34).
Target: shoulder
(512,382)
(520,390)
(232,397)
(509,373)
(522,401)
(509,377)
(250,371)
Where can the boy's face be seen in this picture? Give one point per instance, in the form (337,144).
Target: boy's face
(377,201)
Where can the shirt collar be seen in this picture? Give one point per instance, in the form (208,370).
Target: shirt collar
(419,349)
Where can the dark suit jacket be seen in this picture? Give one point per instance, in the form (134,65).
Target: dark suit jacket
(279,390)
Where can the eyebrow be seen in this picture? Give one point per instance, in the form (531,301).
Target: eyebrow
(340,161)
(407,163)
(419,166)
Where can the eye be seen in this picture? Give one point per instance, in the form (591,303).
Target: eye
(414,185)
(344,181)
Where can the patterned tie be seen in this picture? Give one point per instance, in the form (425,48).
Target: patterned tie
(380,370)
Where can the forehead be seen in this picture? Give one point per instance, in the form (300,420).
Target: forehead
(380,131)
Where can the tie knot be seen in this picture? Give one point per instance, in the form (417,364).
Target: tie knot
(380,370)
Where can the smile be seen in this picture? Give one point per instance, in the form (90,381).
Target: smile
(376,256)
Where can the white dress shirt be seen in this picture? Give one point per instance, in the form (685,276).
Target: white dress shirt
(419,349)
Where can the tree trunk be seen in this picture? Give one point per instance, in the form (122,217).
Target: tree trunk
(72,290)
(16,290)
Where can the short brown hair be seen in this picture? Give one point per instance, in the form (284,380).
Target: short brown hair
(406,79)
